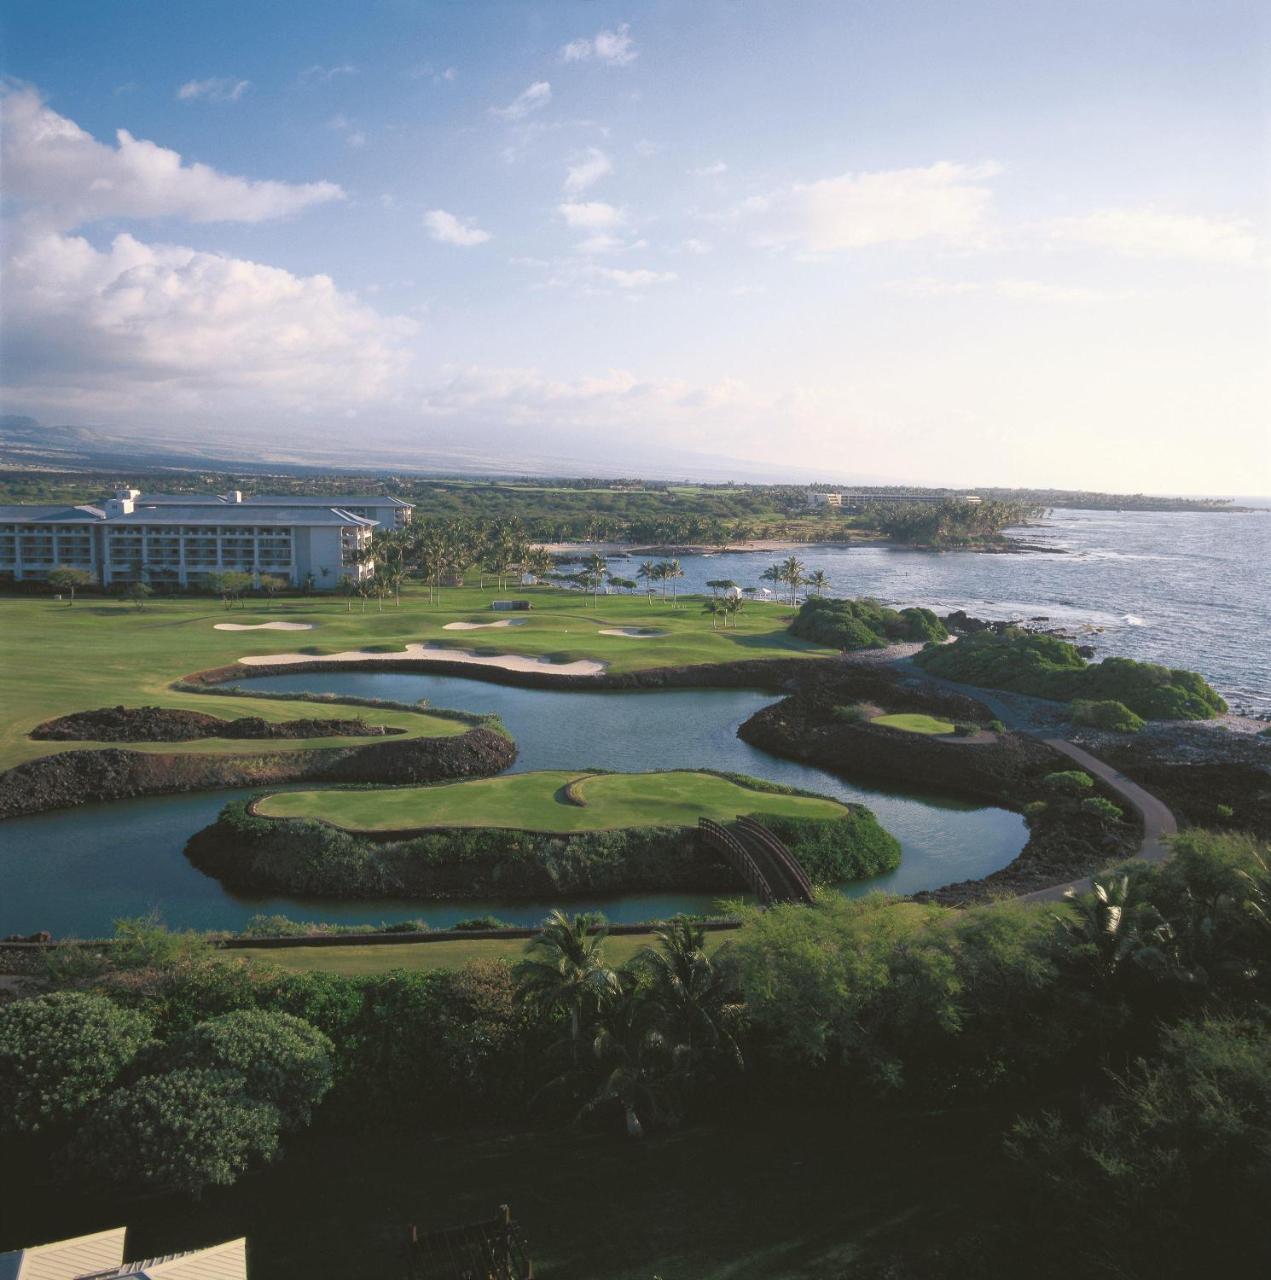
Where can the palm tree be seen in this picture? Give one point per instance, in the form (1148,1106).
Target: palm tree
(673,571)
(564,969)
(696,1006)
(792,570)
(818,582)
(1107,935)
(773,573)
(733,605)
(597,567)
(648,572)
(716,608)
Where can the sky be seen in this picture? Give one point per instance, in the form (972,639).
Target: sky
(1017,242)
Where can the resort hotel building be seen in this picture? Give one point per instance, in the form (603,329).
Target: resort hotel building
(177,540)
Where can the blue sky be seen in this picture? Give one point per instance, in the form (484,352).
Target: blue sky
(974,243)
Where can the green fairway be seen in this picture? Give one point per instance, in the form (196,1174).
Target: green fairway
(915,723)
(55,660)
(362,961)
(537,802)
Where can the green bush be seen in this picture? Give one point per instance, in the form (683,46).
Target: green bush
(965,730)
(184,1130)
(59,1053)
(1046,667)
(281,1058)
(1115,716)
(997,726)
(1068,782)
(1103,809)
(854,713)
(835,850)
(481,922)
(863,624)
(1225,811)
(1035,808)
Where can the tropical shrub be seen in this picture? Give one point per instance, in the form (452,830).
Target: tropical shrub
(185,1130)
(1102,809)
(853,713)
(282,1059)
(965,730)
(59,1053)
(863,624)
(1112,715)
(1046,667)
(1068,782)
(836,850)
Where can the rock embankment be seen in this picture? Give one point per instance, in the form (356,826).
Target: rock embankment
(166,724)
(1064,841)
(88,776)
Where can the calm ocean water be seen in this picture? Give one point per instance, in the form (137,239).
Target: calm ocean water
(1185,589)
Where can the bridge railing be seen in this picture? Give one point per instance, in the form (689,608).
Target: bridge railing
(777,850)
(723,841)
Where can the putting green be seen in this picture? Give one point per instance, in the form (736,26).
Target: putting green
(914,722)
(537,802)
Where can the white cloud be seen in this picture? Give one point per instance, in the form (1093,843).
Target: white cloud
(447,229)
(646,148)
(693,245)
(353,136)
(535,98)
(66,178)
(639,278)
(589,168)
(1147,233)
(603,242)
(616,48)
(324,75)
(167,328)
(590,215)
(216,89)
(711,170)
(1020,290)
(944,202)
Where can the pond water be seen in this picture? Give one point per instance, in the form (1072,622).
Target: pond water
(74,872)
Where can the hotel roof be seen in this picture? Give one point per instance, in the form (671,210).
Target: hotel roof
(310,514)
(271,500)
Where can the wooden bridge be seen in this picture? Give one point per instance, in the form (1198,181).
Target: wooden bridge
(770,870)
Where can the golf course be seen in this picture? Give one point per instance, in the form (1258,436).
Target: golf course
(56,660)
(548,801)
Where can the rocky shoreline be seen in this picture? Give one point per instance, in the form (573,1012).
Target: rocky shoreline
(89,776)
(1064,841)
(167,724)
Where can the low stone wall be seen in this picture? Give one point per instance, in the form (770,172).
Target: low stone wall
(89,776)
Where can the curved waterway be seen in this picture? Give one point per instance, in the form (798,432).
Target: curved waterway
(74,872)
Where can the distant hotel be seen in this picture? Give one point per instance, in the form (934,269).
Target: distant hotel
(178,539)
(818,498)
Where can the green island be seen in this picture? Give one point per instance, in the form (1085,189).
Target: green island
(539,802)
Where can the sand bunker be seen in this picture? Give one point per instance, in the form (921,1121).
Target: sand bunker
(481,626)
(431,653)
(640,633)
(264,626)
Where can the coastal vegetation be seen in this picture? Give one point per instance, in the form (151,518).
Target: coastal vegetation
(1096,1069)
(1046,667)
(863,624)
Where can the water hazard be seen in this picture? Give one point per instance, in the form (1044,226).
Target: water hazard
(74,872)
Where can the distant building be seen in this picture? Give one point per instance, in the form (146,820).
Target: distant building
(101,1257)
(175,540)
(816,498)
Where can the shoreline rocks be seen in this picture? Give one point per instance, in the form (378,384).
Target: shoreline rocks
(166,724)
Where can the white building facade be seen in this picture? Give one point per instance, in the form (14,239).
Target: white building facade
(176,542)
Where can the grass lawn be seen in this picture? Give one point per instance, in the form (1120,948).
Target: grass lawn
(915,723)
(360,962)
(56,659)
(536,802)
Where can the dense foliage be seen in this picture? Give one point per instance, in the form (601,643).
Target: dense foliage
(950,523)
(282,1059)
(185,1129)
(1046,667)
(863,624)
(60,1052)
(1109,714)
(835,851)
